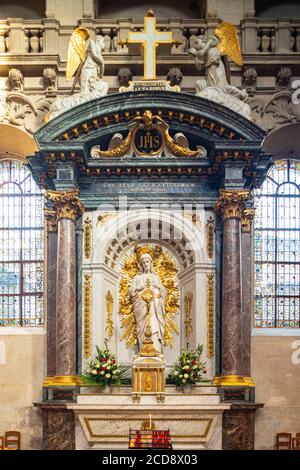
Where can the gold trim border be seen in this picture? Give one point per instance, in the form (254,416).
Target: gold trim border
(63,381)
(87,244)
(87,302)
(210,315)
(154,419)
(233,381)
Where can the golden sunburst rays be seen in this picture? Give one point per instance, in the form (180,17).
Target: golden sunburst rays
(165,266)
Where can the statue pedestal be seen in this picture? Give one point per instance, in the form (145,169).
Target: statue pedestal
(148,377)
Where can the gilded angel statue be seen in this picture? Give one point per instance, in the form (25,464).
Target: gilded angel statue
(85,63)
(85,60)
(213,52)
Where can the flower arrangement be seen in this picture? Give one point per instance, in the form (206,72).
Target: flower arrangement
(104,369)
(188,368)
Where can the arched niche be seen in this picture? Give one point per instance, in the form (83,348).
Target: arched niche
(283,143)
(114,237)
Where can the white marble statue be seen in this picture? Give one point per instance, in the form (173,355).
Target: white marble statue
(85,62)
(157,305)
(215,86)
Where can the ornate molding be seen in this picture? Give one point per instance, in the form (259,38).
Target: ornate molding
(109,314)
(188,299)
(210,315)
(87,237)
(148,136)
(66,204)
(51,220)
(231,202)
(247,217)
(87,302)
(210,236)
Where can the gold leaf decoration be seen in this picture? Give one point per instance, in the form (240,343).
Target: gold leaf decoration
(87,237)
(210,229)
(87,300)
(210,315)
(165,266)
(188,299)
(109,309)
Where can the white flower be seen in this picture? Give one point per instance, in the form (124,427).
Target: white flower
(175,372)
(186,376)
(180,376)
(195,367)
(183,381)
(108,367)
(94,372)
(114,371)
(102,372)
(107,376)
(186,367)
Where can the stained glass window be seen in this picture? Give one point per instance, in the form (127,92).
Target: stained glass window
(277,248)
(21,246)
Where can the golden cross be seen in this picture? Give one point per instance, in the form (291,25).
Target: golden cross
(150,38)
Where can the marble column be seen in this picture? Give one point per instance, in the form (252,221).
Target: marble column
(51,256)
(247,278)
(68,207)
(230,205)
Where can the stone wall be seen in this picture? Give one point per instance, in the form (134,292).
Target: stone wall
(22,364)
(277,376)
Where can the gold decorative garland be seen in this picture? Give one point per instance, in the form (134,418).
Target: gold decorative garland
(87,301)
(188,299)
(210,227)
(87,237)
(109,310)
(210,315)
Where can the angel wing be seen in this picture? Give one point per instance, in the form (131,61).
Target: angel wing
(76,50)
(229,42)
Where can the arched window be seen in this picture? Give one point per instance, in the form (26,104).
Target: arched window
(21,246)
(277,248)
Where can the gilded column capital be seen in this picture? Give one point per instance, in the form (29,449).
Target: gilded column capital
(231,202)
(247,217)
(51,220)
(66,204)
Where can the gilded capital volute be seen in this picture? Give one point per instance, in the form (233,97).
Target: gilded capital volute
(51,220)
(231,202)
(247,217)
(66,204)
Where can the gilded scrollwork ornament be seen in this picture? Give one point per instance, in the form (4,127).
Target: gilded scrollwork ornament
(87,237)
(148,136)
(188,299)
(210,235)
(66,204)
(109,314)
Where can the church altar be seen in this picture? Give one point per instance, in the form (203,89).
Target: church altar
(149,212)
(103,419)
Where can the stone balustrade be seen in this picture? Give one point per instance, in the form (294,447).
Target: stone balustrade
(46,36)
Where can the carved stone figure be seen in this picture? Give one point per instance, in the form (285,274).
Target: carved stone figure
(174,76)
(49,76)
(215,86)
(148,278)
(85,62)
(124,77)
(15,78)
(283,77)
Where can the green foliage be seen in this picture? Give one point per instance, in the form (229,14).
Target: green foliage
(104,369)
(189,368)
